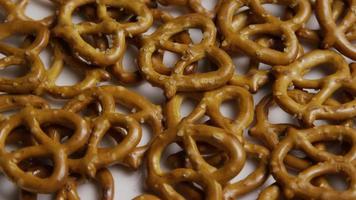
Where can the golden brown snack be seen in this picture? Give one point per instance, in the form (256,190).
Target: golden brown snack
(293,75)
(238,35)
(300,185)
(108,97)
(178,81)
(209,105)
(72,33)
(335,33)
(32,119)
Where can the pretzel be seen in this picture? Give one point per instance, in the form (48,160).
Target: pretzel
(134,77)
(142,111)
(237,36)
(32,119)
(335,34)
(17,23)
(191,53)
(195,5)
(189,134)
(105,25)
(103,179)
(146,197)
(293,75)
(209,104)
(60,58)
(300,185)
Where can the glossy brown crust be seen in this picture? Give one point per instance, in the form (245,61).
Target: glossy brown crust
(239,38)
(108,97)
(326,162)
(293,74)
(178,81)
(209,104)
(32,119)
(27,57)
(335,34)
(72,33)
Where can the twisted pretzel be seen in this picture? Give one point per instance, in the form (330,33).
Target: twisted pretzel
(301,185)
(189,134)
(209,104)
(142,111)
(335,34)
(72,33)
(237,34)
(32,119)
(17,23)
(314,109)
(190,54)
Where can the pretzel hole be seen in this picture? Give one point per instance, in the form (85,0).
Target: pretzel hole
(276,10)
(130,58)
(147,134)
(212,154)
(205,65)
(170,59)
(190,190)
(44,8)
(18,139)
(319,72)
(337,181)
(69,76)
(187,106)
(79,17)
(168,162)
(209,4)
(14,71)
(298,153)
(45,162)
(17,40)
(229,108)
(312,23)
(46,57)
(338,147)
(113,137)
(93,109)
(241,61)
(196,35)
(277,115)
(3,15)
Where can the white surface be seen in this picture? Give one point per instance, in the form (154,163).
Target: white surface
(129,184)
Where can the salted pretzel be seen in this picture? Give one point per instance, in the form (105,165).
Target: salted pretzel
(326,162)
(203,174)
(126,77)
(293,75)
(190,54)
(103,179)
(108,97)
(209,104)
(237,36)
(72,33)
(195,5)
(335,33)
(91,78)
(32,119)
(17,23)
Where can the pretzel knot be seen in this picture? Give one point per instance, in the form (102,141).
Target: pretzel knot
(203,174)
(142,111)
(238,32)
(326,162)
(32,119)
(209,104)
(190,54)
(292,75)
(17,23)
(337,34)
(105,24)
